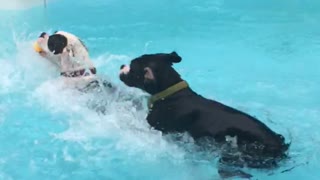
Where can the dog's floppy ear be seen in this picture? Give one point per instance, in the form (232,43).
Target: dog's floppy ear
(174,57)
(148,74)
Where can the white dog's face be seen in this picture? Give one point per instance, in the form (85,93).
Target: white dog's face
(54,44)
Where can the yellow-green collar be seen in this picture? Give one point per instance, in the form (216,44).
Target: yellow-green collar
(163,94)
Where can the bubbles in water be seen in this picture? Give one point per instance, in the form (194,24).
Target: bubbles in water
(122,124)
(88,137)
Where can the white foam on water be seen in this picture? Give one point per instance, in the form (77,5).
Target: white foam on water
(26,73)
(122,124)
(24,69)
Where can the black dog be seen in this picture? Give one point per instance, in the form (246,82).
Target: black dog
(174,107)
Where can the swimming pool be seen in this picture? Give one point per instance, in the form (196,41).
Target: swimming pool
(260,57)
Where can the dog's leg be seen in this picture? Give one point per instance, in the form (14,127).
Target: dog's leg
(229,173)
(90,86)
(230,163)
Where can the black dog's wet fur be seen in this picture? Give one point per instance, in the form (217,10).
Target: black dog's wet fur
(186,111)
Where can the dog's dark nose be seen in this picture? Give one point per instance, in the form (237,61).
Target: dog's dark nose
(122,66)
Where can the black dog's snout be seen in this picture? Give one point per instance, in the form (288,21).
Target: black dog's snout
(122,66)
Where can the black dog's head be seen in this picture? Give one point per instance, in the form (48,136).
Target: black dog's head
(151,72)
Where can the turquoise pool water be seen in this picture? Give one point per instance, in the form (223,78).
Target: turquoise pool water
(260,57)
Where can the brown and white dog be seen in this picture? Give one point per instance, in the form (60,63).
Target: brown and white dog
(69,54)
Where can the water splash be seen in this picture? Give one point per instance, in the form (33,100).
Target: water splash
(262,62)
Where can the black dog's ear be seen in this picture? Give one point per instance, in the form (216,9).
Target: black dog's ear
(148,74)
(174,57)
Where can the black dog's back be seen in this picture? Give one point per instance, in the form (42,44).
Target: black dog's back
(254,139)
(201,117)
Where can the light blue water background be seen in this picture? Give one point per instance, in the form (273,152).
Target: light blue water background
(261,57)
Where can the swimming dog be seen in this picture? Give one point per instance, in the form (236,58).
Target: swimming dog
(70,55)
(175,107)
